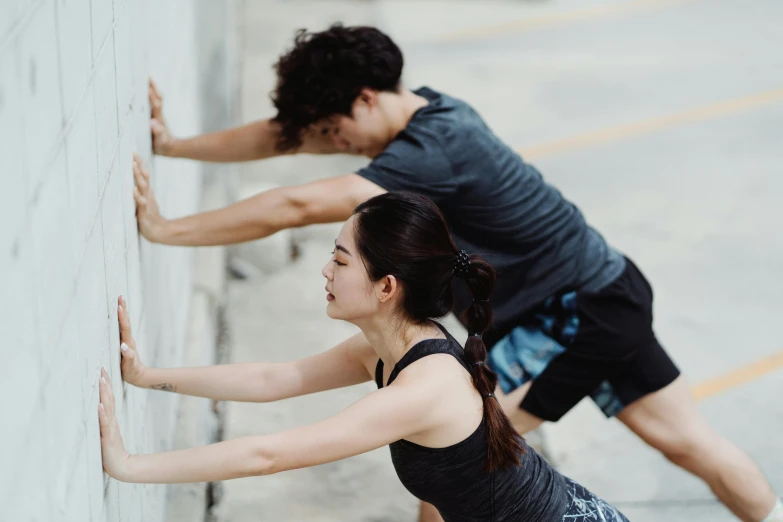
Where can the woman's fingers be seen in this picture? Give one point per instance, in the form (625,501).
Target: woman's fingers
(104,406)
(107,397)
(126,352)
(127,343)
(103,419)
(126,333)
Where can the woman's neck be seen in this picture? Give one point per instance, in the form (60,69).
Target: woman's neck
(392,339)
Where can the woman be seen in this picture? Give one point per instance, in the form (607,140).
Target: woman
(451,444)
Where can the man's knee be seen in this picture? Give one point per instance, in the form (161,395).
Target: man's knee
(669,421)
(684,444)
(683,448)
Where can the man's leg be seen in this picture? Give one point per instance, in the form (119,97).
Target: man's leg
(522,421)
(669,421)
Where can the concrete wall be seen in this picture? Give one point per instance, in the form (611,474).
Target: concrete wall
(73,109)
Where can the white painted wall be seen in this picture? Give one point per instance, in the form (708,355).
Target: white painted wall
(73,109)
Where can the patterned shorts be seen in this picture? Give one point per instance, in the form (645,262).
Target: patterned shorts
(586,507)
(578,344)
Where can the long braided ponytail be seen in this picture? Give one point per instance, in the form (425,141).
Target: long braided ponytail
(505,446)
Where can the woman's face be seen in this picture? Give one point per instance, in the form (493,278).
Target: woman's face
(350,294)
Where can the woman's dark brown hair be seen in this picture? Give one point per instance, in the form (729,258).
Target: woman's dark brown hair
(406,235)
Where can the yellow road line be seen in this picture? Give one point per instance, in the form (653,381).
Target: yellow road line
(738,377)
(555,19)
(628,130)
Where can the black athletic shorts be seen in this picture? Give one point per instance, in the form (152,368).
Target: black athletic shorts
(577,344)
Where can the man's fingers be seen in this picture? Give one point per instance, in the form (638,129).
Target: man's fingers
(154,93)
(142,181)
(156,102)
(141,201)
(137,162)
(154,88)
(156,126)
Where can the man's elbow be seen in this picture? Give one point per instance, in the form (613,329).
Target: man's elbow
(305,208)
(299,211)
(274,210)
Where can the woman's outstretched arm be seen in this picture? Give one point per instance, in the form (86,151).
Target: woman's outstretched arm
(346,364)
(384,416)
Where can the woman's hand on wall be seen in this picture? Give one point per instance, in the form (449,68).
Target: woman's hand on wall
(133,369)
(115,458)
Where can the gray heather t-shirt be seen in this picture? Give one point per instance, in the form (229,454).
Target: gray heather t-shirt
(498,206)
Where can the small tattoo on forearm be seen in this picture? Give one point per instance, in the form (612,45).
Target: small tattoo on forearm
(164,387)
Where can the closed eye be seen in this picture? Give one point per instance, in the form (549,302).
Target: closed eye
(336,261)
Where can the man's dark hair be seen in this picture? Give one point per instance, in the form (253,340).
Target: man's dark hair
(324,74)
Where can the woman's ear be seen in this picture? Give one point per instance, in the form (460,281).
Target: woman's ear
(388,288)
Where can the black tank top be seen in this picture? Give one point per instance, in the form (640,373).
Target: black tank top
(454,479)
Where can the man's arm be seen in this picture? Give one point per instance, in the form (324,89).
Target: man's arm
(323,201)
(253,141)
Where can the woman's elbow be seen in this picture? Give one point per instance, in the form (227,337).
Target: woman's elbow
(262,461)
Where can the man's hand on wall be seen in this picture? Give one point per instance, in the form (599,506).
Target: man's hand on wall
(162,140)
(151,223)
(132,368)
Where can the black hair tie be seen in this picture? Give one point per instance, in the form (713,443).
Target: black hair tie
(462,265)
(488,395)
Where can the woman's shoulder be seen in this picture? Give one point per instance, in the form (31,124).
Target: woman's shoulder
(440,363)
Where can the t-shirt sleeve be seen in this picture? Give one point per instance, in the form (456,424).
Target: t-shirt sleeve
(414,166)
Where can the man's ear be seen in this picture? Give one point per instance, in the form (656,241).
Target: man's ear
(368,97)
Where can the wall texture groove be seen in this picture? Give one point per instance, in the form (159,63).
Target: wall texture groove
(73,110)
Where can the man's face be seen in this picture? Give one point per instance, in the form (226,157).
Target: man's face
(366,132)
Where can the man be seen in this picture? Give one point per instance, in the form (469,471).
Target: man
(573,316)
